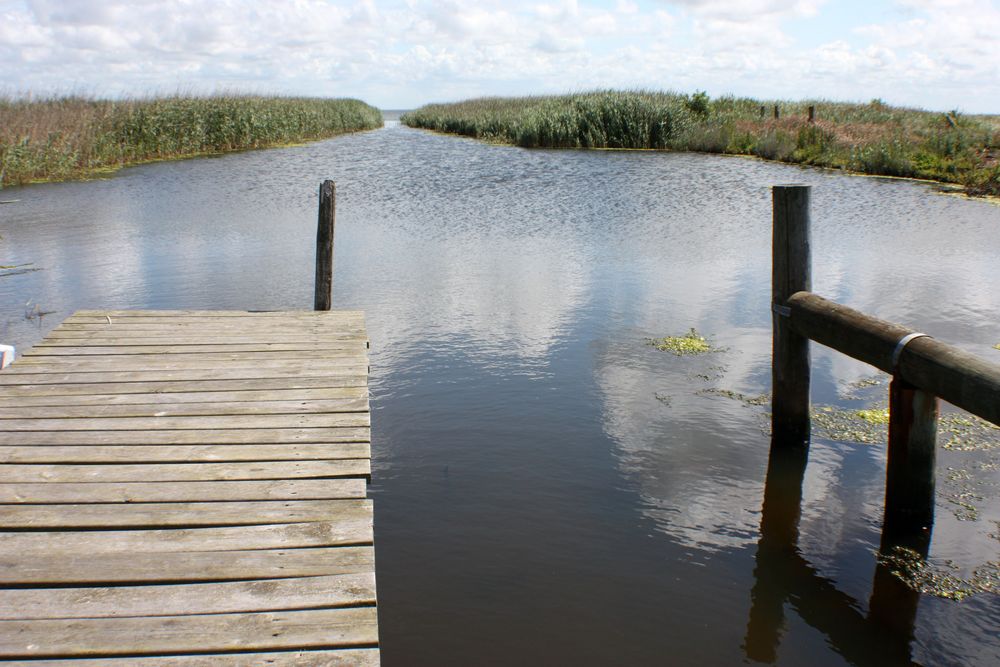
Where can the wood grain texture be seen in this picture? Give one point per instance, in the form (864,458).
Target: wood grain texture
(323,299)
(254,384)
(189,437)
(346,528)
(128,454)
(318,592)
(332,316)
(157,514)
(86,569)
(961,378)
(211,422)
(290,370)
(352,657)
(187,409)
(44,350)
(791,272)
(173,398)
(180,492)
(189,484)
(183,472)
(172,634)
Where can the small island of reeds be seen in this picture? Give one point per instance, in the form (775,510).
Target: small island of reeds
(59,138)
(872,138)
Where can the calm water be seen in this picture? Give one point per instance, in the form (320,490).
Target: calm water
(550,490)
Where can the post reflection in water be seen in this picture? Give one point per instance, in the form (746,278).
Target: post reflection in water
(782,574)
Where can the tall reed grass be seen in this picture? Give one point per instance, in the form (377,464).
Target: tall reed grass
(871,138)
(67,137)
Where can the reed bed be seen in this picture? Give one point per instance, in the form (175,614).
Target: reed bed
(70,137)
(872,138)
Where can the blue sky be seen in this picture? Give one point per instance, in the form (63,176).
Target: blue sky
(935,54)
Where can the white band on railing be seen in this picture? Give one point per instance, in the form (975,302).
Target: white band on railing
(902,344)
(784,311)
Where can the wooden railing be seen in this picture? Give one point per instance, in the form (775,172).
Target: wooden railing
(922,368)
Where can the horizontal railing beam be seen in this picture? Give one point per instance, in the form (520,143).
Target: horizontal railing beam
(956,376)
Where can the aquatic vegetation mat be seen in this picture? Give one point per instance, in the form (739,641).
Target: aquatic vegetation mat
(941,580)
(762,399)
(867,426)
(690,343)
(858,389)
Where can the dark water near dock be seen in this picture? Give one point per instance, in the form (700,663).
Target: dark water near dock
(549,489)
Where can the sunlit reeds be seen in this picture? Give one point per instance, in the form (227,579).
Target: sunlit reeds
(871,138)
(67,137)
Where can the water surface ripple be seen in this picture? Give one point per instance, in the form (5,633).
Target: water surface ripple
(549,488)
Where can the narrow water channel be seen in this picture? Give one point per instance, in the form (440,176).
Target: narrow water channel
(549,488)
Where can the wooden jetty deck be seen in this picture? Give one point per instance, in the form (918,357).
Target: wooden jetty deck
(188,488)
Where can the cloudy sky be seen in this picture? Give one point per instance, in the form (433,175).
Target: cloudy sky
(936,54)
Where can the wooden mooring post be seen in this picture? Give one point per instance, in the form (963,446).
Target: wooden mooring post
(324,246)
(790,273)
(923,368)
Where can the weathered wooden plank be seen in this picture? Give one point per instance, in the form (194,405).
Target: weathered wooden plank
(263,348)
(188,437)
(348,526)
(332,315)
(128,454)
(172,634)
(292,326)
(56,493)
(38,357)
(206,454)
(254,384)
(334,320)
(172,398)
(166,409)
(238,422)
(297,370)
(350,657)
(222,367)
(327,591)
(172,514)
(272,334)
(334,326)
(248,339)
(183,472)
(82,569)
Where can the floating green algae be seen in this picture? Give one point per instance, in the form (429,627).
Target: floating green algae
(763,399)
(689,344)
(864,426)
(940,580)
(854,390)
(666,399)
(711,374)
(968,433)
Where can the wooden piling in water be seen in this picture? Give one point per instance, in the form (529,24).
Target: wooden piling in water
(909,480)
(790,274)
(324,246)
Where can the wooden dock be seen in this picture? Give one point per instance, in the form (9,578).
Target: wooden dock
(188,488)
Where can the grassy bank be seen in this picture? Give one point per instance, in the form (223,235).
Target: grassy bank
(871,138)
(70,137)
